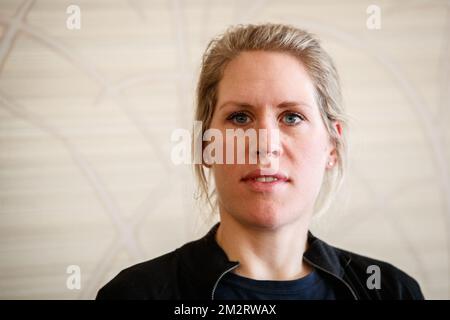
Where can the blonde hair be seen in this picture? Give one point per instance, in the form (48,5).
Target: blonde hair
(320,67)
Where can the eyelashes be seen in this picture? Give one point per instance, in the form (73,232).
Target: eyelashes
(294,118)
(288,118)
(239,118)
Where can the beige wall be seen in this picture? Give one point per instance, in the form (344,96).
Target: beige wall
(86,117)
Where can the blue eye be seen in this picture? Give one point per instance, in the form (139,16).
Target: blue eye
(292,119)
(239,118)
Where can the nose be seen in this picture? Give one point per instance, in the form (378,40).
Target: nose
(268,153)
(268,138)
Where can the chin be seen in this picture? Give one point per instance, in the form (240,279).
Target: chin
(266,218)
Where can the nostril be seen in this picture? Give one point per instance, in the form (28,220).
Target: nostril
(274,152)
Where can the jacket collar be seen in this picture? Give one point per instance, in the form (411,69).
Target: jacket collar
(325,256)
(205,262)
(208,262)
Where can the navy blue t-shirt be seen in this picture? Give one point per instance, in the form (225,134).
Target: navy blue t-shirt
(311,287)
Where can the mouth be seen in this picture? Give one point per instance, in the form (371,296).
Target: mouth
(260,181)
(265,179)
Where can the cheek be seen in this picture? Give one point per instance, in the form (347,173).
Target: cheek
(312,139)
(225,176)
(309,156)
(226,179)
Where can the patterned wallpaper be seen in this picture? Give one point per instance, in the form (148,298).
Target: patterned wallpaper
(90,92)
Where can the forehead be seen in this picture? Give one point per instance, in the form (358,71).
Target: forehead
(265,77)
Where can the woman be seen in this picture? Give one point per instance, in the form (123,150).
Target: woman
(277,78)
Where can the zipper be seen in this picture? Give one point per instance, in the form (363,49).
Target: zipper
(348,286)
(220,277)
(307,260)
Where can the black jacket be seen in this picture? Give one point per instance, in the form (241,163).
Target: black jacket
(193,271)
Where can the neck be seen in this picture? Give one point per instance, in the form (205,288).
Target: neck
(265,254)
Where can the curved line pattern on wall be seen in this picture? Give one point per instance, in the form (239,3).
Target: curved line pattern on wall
(125,230)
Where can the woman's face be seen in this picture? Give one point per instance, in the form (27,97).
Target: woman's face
(272,91)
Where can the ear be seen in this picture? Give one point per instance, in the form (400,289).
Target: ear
(333,156)
(206,165)
(338,127)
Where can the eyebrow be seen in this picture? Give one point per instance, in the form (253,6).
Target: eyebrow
(284,104)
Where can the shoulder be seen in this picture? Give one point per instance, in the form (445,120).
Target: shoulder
(162,278)
(394,283)
(146,280)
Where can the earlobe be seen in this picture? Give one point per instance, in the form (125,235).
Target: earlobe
(207,165)
(332,158)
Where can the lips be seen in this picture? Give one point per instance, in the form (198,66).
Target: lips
(262,176)
(260,181)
